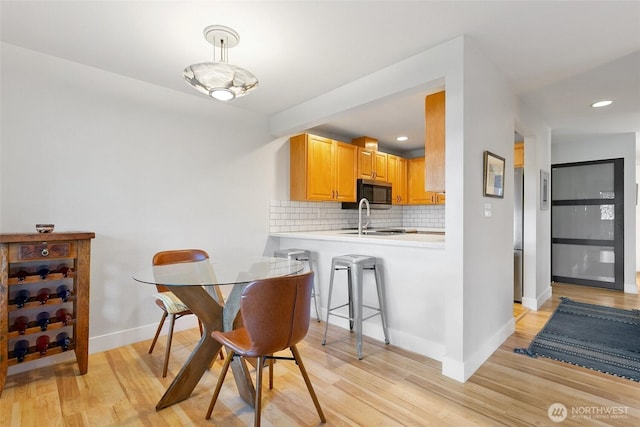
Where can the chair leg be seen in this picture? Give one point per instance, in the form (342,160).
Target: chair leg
(258,403)
(200,326)
(270,373)
(303,371)
(167,351)
(225,368)
(155,338)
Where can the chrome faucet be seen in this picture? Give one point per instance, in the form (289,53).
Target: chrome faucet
(366,202)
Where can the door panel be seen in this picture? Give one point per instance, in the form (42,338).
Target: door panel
(586,263)
(587,223)
(595,222)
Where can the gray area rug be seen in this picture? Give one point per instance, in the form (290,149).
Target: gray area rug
(601,338)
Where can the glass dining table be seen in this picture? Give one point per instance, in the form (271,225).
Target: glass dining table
(190,282)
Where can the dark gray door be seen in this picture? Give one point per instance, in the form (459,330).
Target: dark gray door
(587,223)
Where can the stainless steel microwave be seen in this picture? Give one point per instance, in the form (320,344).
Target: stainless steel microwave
(378,193)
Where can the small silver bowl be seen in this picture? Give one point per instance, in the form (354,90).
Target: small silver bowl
(44,228)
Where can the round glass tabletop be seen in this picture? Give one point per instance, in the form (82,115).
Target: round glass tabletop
(222,271)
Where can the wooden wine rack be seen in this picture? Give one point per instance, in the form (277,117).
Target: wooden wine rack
(31,252)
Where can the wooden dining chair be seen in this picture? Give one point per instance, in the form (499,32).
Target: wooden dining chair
(275,316)
(171,305)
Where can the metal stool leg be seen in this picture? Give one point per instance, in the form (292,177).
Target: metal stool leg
(357,271)
(326,326)
(350,292)
(381,304)
(314,294)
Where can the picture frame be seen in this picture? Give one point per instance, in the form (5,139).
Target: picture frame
(544,190)
(493,177)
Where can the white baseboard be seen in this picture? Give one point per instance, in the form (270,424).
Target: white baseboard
(373,329)
(630,288)
(129,336)
(535,303)
(462,371)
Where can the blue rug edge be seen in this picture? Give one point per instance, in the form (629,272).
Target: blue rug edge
(534,354)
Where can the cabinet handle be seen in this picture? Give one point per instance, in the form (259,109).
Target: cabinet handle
(45,251)
(337,195)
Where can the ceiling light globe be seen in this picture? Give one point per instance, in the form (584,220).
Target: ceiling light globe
(221,94)
(600,104)
(208,77)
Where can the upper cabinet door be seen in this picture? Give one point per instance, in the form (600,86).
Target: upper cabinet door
(366,163)
(434,147)
(417,194)
(397,176)
(381,166)
(518,155)
(320,168)
(345,175)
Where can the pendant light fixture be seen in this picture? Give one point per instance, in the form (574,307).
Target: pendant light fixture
(219,79)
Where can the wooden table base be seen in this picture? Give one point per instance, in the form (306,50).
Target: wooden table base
(213,317)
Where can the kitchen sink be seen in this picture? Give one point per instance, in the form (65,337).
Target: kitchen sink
(378,231)
(390,231)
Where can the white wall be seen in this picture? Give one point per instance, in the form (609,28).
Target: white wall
(489,106)
(480,115)
(582,149)
(148,169)
(537,222)
(144,167)
(636,201)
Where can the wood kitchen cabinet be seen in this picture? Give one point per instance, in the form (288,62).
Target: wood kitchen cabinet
(434,147)
(44,297)
(518,155)
(322,169)
(372,164)
(417,195)
(397,176)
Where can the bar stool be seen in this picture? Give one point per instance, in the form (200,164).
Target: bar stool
(304,256)
(355,266)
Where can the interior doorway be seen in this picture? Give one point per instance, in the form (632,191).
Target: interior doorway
(587,223)
(518,218)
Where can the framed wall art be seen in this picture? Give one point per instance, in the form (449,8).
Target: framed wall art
(493,180)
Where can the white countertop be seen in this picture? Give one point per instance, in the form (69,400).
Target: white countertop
(351,236)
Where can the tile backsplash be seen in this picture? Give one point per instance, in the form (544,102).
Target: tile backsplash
(285,215)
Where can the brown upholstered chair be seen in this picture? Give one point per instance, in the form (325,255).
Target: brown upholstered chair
(171,305)
(275,316)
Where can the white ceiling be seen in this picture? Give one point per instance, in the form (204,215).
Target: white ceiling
(559,56)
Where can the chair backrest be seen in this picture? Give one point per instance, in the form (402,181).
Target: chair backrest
(275,312)
(178,256)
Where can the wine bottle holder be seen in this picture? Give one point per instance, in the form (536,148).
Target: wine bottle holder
(45,302)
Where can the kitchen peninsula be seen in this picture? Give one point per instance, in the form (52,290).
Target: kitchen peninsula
(413,270)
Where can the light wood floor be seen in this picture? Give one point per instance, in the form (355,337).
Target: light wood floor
(389,387)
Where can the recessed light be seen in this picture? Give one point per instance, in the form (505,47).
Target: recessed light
(601,104)
(402,138)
